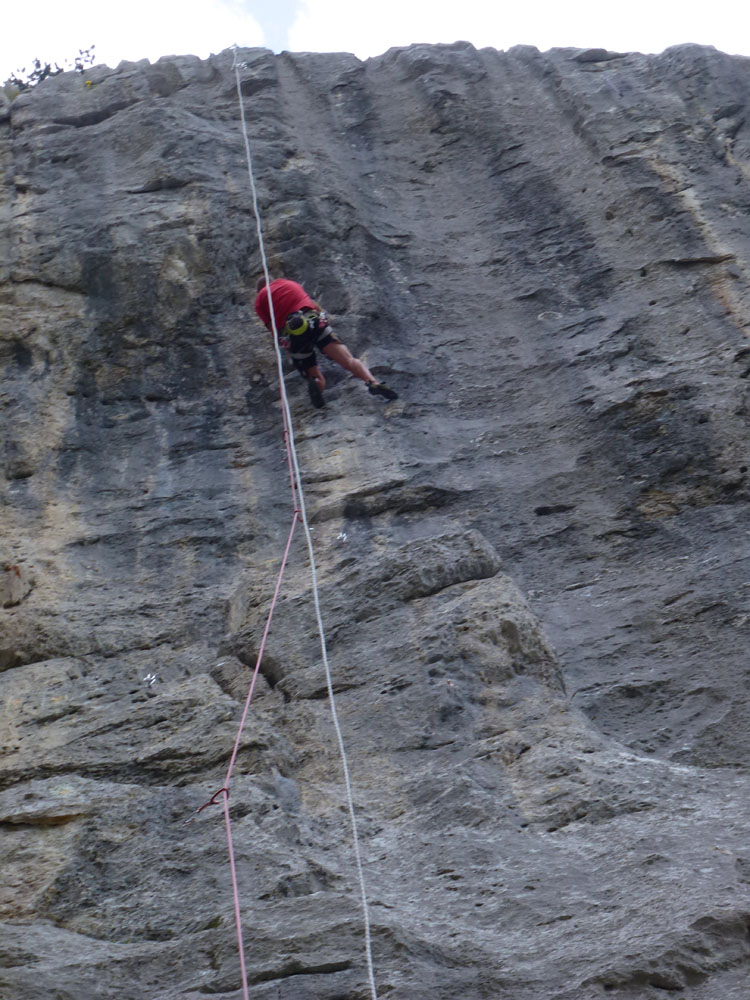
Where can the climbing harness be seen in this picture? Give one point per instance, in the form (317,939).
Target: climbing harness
(300,322)
(299,515)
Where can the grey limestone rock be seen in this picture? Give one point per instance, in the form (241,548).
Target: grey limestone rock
(16,582)
(533,566)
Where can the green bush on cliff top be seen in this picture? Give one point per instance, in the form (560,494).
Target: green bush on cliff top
(24,80)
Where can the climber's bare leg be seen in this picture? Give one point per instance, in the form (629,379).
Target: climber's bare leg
(343,356)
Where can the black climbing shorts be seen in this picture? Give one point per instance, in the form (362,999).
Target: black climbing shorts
(302,347)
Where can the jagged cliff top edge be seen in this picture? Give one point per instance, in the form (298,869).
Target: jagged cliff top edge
(581,54)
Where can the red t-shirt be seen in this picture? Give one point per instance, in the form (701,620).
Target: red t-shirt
(287,297)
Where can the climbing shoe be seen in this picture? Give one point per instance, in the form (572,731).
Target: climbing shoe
(316,395)
(381,389)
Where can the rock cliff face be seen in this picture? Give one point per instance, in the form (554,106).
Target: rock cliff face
(534,564)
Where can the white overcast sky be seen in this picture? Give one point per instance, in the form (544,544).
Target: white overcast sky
(54,30)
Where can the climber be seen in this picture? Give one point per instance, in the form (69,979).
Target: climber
(302,326)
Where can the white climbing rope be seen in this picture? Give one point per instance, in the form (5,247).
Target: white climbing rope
(308,537)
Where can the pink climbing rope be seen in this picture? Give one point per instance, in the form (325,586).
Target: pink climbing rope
(224,791)
(236,893)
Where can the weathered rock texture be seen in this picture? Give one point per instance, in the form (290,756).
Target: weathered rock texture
(534,564)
